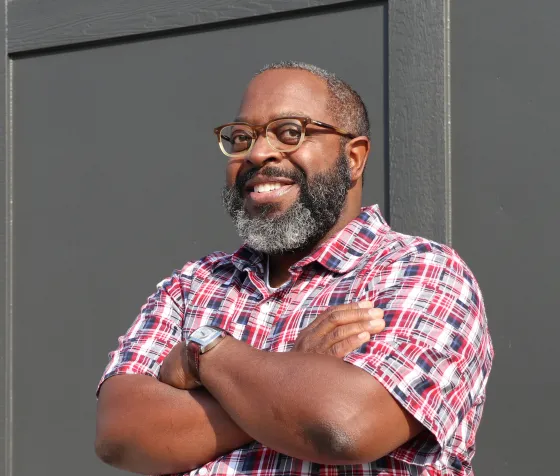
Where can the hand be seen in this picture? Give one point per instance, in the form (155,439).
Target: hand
(341,329)
(175,370)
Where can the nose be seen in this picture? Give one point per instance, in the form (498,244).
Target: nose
(262,153)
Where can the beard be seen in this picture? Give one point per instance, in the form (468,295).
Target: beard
(314,213)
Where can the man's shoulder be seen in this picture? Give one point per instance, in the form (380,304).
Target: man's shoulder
(400,248)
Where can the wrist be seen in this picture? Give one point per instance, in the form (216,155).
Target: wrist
(210,360)
(192,363)
(202,341)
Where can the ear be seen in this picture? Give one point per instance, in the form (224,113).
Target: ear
(357,151)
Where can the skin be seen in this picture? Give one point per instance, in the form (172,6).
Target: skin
(167,426)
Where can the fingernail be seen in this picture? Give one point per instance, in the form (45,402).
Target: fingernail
(375,313)
(363,336)
(375,325)
(365,304)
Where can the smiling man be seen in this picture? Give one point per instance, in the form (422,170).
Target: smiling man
(327,344)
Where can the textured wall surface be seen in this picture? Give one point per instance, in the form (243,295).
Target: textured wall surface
(88,92)
(506,223)
(117,183)
(5,260)
(64,22)
(419,122)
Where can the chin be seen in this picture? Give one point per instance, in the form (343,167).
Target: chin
(266,210)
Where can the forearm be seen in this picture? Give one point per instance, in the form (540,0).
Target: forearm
(148,427)
(305,405)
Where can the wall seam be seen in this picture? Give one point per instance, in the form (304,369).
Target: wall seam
(447,125)
(8,311)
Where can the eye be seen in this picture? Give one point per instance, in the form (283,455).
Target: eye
(288,133)
(239,138)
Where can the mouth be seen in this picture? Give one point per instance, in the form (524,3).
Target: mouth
(272,190)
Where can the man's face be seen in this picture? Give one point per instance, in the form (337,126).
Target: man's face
(287,201)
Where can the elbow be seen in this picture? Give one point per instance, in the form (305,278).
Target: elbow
(118,455)
(110,451)
(112,446)
(333,444)
(337,446)
(343,436)
(121,453)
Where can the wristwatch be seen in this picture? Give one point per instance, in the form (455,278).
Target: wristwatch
(202,340)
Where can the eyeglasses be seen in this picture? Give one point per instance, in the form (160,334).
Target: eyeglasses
(284,134)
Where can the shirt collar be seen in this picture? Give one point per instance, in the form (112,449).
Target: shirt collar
(340,253)
(246,258)
(343,252)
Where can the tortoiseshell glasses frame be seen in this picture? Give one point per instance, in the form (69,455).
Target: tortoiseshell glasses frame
(280,142)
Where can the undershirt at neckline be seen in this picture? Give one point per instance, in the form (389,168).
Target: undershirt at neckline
(266,278)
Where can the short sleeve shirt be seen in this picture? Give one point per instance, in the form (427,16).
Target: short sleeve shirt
(434,355)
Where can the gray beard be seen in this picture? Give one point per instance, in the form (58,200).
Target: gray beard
(310,218)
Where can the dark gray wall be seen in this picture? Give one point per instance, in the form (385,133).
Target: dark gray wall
(506,224)
(117,183)
(5,262)
(106,106)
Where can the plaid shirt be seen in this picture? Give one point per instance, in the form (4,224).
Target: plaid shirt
(434,356)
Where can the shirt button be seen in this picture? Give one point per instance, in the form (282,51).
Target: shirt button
(203,471)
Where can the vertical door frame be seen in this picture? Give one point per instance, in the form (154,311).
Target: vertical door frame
(6,350)
(418,106)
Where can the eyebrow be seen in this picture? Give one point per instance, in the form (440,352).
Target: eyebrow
(277,116)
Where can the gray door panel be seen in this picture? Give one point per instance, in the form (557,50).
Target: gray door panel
(117,182)
(506,222)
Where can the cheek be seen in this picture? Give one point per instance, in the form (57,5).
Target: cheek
(315,157)
(232,171)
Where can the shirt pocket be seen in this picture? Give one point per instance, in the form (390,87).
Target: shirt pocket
(213,305)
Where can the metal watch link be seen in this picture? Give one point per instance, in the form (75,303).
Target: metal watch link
(200,341)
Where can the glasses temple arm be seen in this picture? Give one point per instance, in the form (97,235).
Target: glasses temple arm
(342,132)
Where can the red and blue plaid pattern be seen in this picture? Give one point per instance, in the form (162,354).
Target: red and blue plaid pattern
(434,356)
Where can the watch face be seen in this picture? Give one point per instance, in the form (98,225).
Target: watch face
(204,335)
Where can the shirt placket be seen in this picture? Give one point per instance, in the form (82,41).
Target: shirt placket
(268,310)
(261,317)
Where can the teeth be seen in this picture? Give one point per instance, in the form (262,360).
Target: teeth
(267,187)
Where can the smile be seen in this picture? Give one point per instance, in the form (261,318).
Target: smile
(269,192)
(268,187)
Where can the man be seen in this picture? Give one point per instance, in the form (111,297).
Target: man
(327,344)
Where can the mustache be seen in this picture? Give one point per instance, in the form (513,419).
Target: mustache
(297,176)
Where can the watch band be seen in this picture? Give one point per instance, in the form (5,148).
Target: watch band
(193,360)
(194,350)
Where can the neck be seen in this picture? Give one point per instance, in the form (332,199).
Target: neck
(279,265)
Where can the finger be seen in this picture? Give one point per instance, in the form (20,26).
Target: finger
(342,307)
(353,342)
(342,333)
(344,317)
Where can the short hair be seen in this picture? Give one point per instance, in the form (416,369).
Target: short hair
(343,103)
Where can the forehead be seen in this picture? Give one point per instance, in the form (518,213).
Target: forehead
(283,91)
